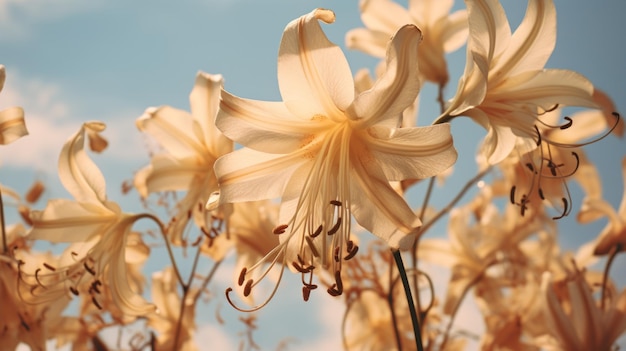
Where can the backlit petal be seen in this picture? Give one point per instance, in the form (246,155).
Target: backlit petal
(313,73)
(265,126)
(397,88)
(12,125)
(384,15)
(175,130)
(166,173)
(204,101)
(78,173)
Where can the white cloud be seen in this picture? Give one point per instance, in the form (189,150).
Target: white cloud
(212,337)
(51,119)
(16,16)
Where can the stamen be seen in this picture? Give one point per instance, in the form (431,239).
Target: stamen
(541,194)
(242,276)
(49,267)
(314,251)
(95,302)
(318,231)
(335,228)
(73,290)
(568,124)
(37,277)
(351,252)
(248,288)
(336,203)
(512,195)
(565,209)
(280,229)
(306,292)
(89,269)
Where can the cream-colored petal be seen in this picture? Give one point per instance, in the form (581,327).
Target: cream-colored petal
(427,12)
(585,316)
(70,221)
(489,29)
(438,251)
(498,143)
(3,76)
(559,323)
(377,207)
(204,101)
(175,130)
(166,173)
(384,15)
(532,43)
(12,125)
(396,89)
(313,73)
(78,173)
(456,31)
(411,153)
(369,41)
(249,175)
(547,88)
(265,126)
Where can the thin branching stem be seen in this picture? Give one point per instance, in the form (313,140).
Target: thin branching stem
(454,201)
(5,247)
(207,280)
(186,287)
(394,321)
(605,276)
(397,256)
(168,245)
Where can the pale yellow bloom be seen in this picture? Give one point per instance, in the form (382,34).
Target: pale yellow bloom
(97,223)
(505,87)
(165,320)
(328,154)
(575,320)
(191,144)
(614,234)
(443,32)
(12,125)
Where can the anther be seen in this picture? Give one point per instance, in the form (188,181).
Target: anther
(314,251)
(73,290)
(541,194)
(335,228)
(248,288)
(565,209)
(280,229)
(336,254)
(336,203)
(95,302)
(197,241)
(317,231)
(512,195)
(49,267)
(242,276)
(568,124)
(538,136)
(89,269)
(306,292)
(351,252)
(37,277)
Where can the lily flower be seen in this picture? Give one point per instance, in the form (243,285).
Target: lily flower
(12,125)
(575,320)
(443,32)
(191,144)
(328,154)
(614,234)
(505,87)
(97,223)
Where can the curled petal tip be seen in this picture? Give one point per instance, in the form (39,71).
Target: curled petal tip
(328,16)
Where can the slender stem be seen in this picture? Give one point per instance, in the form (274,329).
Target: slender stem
(454,201)
(394,321)
(162,229)
(5,247)
(397,256)
(186,287)
(605,276)
(206,280)
(442,103)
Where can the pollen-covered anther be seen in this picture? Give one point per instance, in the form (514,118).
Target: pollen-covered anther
(248,288)
(242,276)
(74,290)
(337,288)
(335,227)
(89,269)
(95,302)
(49,267)
(280,229)
(301,268)
(352,250)
(336,203)
(317,231)
(306,293)
(312,247)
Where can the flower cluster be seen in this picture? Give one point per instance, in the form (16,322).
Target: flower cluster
(301,184)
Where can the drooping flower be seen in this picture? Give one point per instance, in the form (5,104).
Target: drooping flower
(12,125)
(191,144)
(93,221)
(327,154)
(505,87)
(575,320)
(443,32)
(613,236)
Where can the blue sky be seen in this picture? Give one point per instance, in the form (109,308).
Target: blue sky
(69,61)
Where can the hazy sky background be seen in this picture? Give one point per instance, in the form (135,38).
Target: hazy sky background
(70,61)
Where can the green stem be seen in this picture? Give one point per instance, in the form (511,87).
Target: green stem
(397,256)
